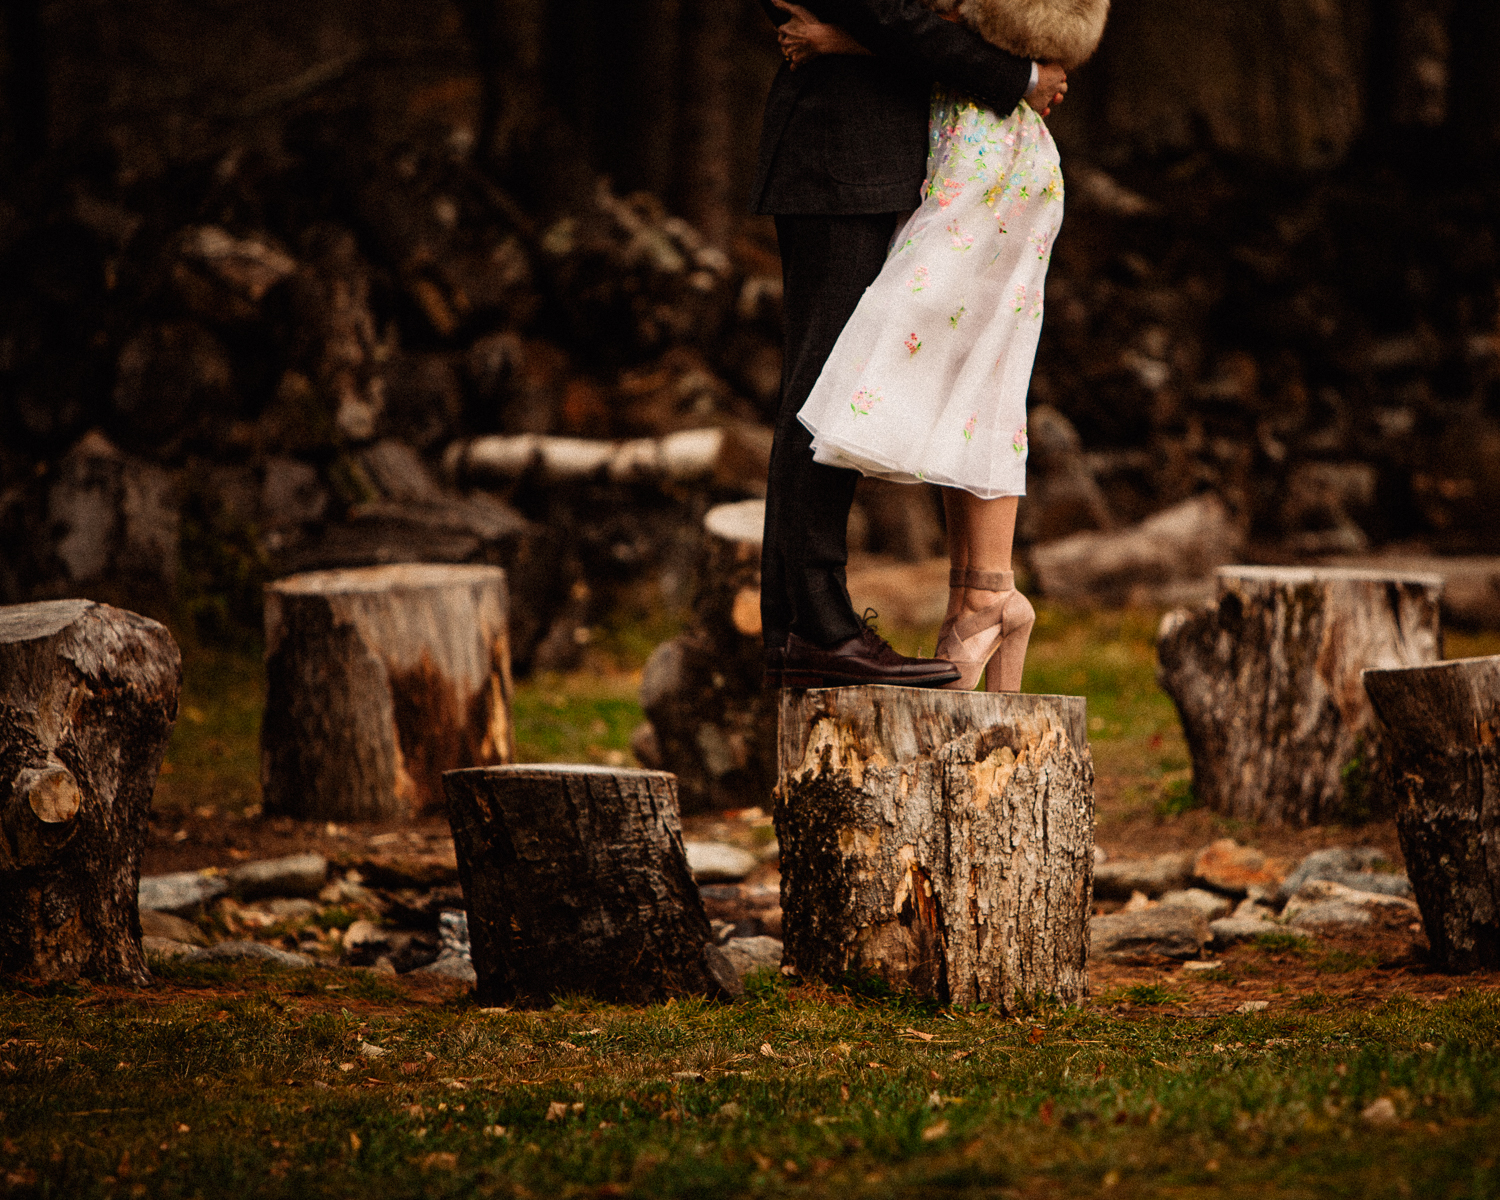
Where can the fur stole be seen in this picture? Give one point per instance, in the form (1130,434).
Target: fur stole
(1062,31)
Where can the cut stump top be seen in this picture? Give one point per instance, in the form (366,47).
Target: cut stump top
(1294,576)
(29,622)
(931,716)
(390,577)
(561,771)
(742,521)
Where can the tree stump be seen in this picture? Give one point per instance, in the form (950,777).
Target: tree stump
(575,880)
(379,679)
(1440,725)
(1267,682)
(940,841)
(711,723)
(88,697)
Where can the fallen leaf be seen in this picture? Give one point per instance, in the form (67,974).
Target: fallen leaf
(917,1033)
(934,1131)
(765,1048)
(354,1142)
(1045,1112)
(557,1110)
(1036,1035)
(370,1051)
(439,1160)
(1380,1112)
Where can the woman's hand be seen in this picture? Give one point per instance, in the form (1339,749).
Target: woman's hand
(1051,88)
(803,37)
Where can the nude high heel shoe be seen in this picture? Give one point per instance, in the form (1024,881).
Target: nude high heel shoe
(993,638)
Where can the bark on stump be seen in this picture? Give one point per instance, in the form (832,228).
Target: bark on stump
(941,841)
(88,697)
(378,680)
(575,880)
(1441,723)
(1267,682)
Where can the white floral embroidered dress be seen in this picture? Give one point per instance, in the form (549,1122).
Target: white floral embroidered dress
(928,380)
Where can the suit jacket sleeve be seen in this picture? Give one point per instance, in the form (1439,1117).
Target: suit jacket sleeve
(906,32)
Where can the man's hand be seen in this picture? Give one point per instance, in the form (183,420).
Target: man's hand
(1051,87)
(804,37)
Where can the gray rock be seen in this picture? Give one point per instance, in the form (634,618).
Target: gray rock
(1350,867)
(247,952)
(1118,879)
(1325,904)
(722,970)
(1210,904)
(364,942)
(1141,937)
(160,947)
(290,908)
(161,925)
(715,862)
(1226,931)
(450,966)
(1331,914)
(180,893)
(294,875)
(748,954)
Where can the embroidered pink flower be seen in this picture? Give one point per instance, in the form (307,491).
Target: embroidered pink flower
(947,191)
(918,279)
(1018,441)
(970,425)
(961,240)
(1042,240)
(864,401)
(913,343)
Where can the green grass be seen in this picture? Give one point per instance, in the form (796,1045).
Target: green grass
(576,718)
(213,759)
(793,1091)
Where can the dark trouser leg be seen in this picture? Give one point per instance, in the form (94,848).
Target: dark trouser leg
(826,264)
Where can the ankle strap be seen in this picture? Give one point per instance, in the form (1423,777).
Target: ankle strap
(989,581)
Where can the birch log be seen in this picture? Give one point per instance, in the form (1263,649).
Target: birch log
(575,880)
(1441,724)
(379,679)
(88,697)
(940,841)
(1267,682)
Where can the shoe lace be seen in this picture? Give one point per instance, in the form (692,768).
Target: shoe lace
(871,636)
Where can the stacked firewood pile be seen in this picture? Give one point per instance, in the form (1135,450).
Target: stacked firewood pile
(325,357)
(257,367)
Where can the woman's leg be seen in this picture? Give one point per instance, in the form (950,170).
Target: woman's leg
(986,625)
(989,530)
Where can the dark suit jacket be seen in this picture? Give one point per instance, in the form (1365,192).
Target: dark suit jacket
(848,134)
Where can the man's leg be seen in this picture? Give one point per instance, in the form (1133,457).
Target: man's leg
(826,263)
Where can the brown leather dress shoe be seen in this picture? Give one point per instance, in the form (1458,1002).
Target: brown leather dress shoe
(865,658)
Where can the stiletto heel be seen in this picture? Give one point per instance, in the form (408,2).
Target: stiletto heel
(971,641)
